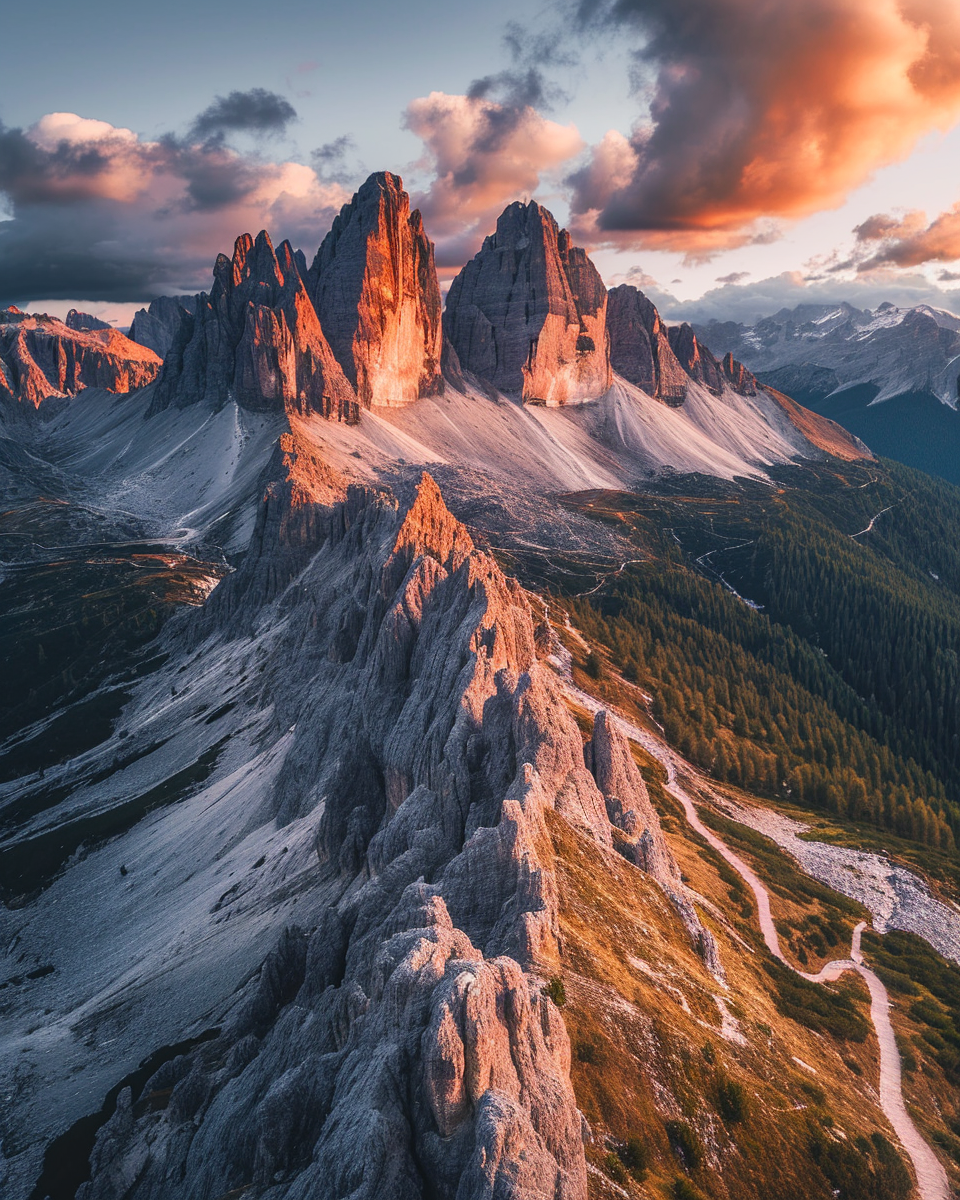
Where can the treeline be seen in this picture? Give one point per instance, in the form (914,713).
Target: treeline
(757,705)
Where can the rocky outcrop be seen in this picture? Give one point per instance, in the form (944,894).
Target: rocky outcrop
(640,348)
(700,364)
(528,312)
(695,359)
(375,288)
(737,375)
(638,836)
(256,338)
(159,325)
(84,322)
(42,358)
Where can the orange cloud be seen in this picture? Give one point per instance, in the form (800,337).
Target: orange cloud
(909,241)
(763,110)
(483,155)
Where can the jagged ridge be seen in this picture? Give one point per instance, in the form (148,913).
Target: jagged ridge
(404,1044)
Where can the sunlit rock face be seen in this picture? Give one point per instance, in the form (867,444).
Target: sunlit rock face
(737,375)
(256,338)
(41,358)
(695,359)
(374,285)
(528,313)
(640,346)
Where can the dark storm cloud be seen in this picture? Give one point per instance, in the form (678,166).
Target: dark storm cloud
(330,160)
(98,213)
(29,173)
(750,111)
(256,111)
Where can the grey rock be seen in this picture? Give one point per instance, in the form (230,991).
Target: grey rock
(640,348)
(82,321)
(256,338)
(159,325)
(528,312)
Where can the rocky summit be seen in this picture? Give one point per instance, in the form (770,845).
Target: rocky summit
(528,312)
(375,288)
(42,358)
(640,347)
(159,325)
(256,337)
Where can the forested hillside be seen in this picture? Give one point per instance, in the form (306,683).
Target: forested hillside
(836,683)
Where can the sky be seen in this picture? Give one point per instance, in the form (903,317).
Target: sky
(729,157)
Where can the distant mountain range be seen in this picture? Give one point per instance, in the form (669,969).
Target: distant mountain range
(891,376)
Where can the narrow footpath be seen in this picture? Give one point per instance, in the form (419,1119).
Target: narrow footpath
(932,1179)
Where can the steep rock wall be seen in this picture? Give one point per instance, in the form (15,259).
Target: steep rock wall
(41,358)
(374,285)
(256,338)
(528,312)
(404,1046)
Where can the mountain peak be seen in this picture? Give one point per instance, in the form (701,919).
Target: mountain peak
(528,312)
(374,285)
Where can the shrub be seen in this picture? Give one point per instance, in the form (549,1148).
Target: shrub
(587,1052)
(635,1157)
(615,1168)
(686,1144)
(556,991)
(731,1100)
(594,665)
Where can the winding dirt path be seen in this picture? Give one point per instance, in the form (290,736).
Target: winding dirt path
(873,519)
(932,1179)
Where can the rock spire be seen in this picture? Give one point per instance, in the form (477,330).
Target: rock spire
(374,285)
(256,337)
(528,312)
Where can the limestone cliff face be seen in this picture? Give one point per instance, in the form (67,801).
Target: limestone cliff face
(663,360)
(374,285)
(159,325)
(700,364)
(404,1045)
(640,348)
(256,338)
(528,313)
(41,358)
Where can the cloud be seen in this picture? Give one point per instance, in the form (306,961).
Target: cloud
(98,213)
(761,112)
(256,111)
(638,277)
(330,160)
(482,154)
(748,302)
(906,241)
(734,277)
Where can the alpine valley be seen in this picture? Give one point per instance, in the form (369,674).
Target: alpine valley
(468,750)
